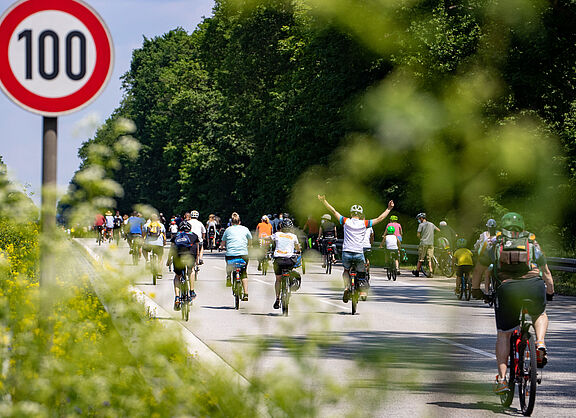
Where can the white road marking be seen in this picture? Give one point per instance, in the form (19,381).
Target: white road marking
(465,347)
(262,281)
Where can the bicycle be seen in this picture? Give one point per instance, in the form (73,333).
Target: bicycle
(391,271)
(237,289)
(465,288)
(185,300)
(446,263)
(285,290)
(522,370)
(100,236)
(263,263)
(154,267)
(135,245)
(355,289)
(330,257)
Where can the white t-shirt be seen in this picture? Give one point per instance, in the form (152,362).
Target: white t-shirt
(354,232)
(367,235)
(285,244)
(197,227)
(391,242)
(109,221)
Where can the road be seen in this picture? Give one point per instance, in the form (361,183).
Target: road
(412,345)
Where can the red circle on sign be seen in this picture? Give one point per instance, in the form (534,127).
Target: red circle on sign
(89,91)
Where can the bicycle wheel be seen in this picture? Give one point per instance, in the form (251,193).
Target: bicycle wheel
(527,382)
(303,266)
(236,290)
(389,272)
(285,295)
(153,266)
(184,304)
(506,398)
(264,266)
(99,238)
(468,290)
(135,255)
(394,273)
(448,266)
(355,297)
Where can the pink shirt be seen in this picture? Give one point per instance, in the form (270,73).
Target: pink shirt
(397,229)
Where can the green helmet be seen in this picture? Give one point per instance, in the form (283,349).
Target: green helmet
(393,218)
(461,243)
(390,229)
(512,221)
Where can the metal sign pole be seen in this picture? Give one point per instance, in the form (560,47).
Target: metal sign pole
(49,181)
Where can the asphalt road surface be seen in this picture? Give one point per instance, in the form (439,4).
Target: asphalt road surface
(412,346)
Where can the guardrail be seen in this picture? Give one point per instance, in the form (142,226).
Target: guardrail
(554,263)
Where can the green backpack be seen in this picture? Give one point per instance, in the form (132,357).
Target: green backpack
(514,253)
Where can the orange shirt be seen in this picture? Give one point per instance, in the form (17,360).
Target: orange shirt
(264,229)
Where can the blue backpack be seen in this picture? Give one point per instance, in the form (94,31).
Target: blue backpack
(183,240)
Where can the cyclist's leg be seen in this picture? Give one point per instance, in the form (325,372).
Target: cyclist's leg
(347,264)
(245,275)
(278,273)
(507,310)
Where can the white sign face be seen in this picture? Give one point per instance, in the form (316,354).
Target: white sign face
(58,55)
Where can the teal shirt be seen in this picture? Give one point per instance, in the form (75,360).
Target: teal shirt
(236,238)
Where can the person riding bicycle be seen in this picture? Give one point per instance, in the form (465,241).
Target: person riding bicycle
(285,245)
(236,239)
(426,248)
(479,247)
(264,229)
(397,228)
(200,231)
(109,224)
(135,227)
(211,230)
(327,235)
(154,241)
(392,243)
(311,229)
(352,248)
(118,223)
(183,255)
(99,224)
(520,268)
(464,262)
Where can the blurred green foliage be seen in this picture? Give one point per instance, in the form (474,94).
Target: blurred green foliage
(462,109)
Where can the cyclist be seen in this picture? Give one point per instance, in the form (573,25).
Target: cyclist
(327,235)
(446,231)
(264,229)
(518,262)
(118,223)
(109,224)
(211,228)
(183,255)
(285,245)
(479,247)
(199,229)
(236,239)
(311,228)
(99,224)
(397,228)
(155,239)
(352,248)
(135,230)
(392,243)
(426,248)
(463,259)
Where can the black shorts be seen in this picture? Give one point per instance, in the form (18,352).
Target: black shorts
(510,295)
(283,263)
(460,270)
(184,264)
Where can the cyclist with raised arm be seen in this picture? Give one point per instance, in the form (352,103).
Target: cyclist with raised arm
(353,248)
(285,246)
(236,239)
(327,235)
(425,234)
(521,270)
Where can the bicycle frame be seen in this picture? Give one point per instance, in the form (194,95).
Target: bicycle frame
(285,290)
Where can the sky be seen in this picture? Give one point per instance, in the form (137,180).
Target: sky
(128,21)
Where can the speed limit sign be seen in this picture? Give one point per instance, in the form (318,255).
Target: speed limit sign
(55,55)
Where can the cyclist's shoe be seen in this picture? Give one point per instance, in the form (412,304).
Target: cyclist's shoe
(177,303)
(398,273)
(363,296)
(277,304)
(415,273)
(228,282)
(200,262)
(259,266)
(429,275)
(158,276)
(346,295)
(192,295)
(500,386)
(245,297)
(478,294)
(541,354)
(323,265)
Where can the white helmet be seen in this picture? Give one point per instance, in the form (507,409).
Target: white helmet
(356,209)
(443,223)
(327,217)
(195,214)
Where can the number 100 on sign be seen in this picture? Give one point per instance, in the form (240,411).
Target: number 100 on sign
(52,54)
